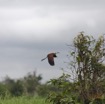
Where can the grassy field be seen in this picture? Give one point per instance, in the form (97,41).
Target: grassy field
(24,100)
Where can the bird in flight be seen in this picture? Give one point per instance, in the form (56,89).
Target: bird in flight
(50,58)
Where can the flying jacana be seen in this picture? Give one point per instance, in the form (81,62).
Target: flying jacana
(50,57)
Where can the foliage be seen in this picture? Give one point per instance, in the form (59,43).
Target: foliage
(87,69)
(31,83)
(23,100)
(44,89)
(63,96)
(17,89)
(3,91)
(88,56)
(98,101)
(24,86)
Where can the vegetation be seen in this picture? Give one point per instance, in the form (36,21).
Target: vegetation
(86,69)
(64,94)
(87,57)
(24,100)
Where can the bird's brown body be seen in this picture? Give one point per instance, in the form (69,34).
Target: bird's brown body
(50,57)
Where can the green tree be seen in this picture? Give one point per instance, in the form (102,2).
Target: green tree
(16,88)
(63,94)
(29,85)
(3,90)
(87,69)
(88,62)
(44,89)
(31,82)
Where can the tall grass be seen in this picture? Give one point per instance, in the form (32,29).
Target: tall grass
(24,100)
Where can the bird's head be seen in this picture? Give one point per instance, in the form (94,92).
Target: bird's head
(55,54)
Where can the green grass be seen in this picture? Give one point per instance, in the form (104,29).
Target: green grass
(24,100)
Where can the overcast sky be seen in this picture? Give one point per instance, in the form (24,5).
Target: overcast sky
(30,29)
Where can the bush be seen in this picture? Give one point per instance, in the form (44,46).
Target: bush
(3,91)
(17,89)
(64,93)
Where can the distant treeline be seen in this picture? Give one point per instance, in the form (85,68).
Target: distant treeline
(30,85)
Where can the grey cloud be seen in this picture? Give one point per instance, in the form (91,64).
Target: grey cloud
(54,3)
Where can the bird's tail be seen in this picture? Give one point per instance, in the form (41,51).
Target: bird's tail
(43,59)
